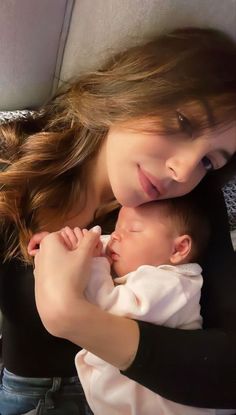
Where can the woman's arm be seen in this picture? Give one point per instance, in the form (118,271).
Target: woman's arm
(191,367)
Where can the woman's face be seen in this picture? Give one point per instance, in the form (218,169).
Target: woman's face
(146,166)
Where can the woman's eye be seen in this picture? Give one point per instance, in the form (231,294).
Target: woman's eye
(184,123)
(207,164)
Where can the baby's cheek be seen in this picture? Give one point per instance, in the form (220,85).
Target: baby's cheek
(129,261)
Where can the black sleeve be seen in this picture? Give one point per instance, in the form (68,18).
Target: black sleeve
(198,367)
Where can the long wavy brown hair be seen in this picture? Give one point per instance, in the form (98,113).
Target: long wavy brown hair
(44,159)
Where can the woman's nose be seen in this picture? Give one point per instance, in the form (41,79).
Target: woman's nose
(182,168)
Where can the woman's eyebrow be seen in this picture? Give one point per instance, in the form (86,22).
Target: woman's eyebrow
(209,113)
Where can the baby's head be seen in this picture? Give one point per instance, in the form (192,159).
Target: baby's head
(173,231)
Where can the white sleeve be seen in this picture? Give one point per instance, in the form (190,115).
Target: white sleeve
(150,293)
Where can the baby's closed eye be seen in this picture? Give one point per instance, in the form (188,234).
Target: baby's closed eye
(135,227)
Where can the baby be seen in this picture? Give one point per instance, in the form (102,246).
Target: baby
(152,253)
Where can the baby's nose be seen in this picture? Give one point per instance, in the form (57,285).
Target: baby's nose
(115,236)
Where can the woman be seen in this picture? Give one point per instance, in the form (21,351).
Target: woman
(149,125)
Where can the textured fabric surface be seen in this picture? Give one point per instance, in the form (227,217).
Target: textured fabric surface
(230,199)
(8,116)
(229,189)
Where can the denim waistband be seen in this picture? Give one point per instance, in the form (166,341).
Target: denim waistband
(12,381)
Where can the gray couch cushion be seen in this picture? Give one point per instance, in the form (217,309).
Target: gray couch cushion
(32,39)
(33,35)
(100,26)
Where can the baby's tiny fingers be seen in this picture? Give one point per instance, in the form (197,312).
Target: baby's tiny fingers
(79,234)
(65,239)
(71,236)
(89,242)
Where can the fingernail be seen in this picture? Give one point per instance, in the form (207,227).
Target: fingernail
(97,229)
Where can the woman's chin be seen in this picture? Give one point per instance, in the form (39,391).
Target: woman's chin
(131,200)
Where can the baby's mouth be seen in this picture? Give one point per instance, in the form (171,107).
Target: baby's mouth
(112,253)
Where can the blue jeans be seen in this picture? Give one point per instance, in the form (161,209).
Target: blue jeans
(46,396)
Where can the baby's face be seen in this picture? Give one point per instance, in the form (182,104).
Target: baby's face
(143,236)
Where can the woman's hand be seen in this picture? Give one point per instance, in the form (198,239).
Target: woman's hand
(35,241)
(70,237)
(61,274)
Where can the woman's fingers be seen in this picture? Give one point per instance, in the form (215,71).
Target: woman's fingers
(35,241)
(62,272)
(52,251)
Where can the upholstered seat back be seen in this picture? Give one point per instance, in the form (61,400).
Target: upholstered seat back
(44,40)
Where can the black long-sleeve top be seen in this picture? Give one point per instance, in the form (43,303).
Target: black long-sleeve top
(193,367)
(27,348)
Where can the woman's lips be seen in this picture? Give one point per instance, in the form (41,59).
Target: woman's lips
(147,185)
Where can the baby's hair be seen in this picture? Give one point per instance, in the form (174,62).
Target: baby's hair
(189,216)
(47,157)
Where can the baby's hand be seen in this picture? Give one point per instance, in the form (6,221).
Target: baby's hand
(71,239)
(99,247)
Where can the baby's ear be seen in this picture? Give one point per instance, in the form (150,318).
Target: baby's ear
(181,249)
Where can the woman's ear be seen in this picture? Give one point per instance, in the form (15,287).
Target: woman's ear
(182,248)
